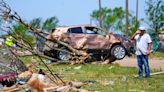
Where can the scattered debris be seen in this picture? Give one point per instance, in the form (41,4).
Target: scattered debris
(78,67)
(10,68)
(95,62)
(90,82)
(124,78)
(8,80)
(106,82)
(14,88)
(11,61)
(62,88)
(111,82)
(37,81)
(111,67)
(105,62)
(76,84)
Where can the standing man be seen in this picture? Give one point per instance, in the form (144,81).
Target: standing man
(143,48)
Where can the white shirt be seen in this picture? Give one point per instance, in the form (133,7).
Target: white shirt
(142,43)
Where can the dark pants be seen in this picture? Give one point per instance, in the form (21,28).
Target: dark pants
(143,60)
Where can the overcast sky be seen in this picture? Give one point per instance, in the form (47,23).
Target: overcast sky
(69,12)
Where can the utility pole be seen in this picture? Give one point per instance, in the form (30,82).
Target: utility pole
(136,11)
(127,13)
(100,14)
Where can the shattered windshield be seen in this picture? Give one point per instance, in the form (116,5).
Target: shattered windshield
(93,30)
(101,32)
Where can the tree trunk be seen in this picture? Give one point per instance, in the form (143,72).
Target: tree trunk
(127,13)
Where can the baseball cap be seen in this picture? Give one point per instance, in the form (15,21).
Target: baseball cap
(142,28)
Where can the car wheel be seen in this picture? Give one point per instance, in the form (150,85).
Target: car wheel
(118,52)
(50,53)
(63,54)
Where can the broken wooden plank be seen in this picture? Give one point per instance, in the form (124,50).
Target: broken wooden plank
(50,89)
(14,88)
(156,73)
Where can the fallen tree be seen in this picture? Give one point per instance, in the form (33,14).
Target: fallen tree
(6,13)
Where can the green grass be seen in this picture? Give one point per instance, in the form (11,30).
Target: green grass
(159,55)
(113,74)
(29,59)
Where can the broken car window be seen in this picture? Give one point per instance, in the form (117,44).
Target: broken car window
(90,30)
(75,30)
(93,30)
(101,32)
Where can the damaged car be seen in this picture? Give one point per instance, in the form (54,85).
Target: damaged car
(97,42)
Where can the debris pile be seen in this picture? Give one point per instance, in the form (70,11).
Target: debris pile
(10,63)
(42,83)
(10,66)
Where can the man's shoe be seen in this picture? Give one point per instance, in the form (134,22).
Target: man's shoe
(147,76)
(138,77)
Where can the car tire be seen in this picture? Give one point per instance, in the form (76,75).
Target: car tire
(51,53)
(63,55)
(118,52)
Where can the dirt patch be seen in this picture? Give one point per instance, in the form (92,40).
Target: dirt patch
(132,62)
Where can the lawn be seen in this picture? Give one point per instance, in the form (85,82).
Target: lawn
(107,78)
(110,78)
(159,55)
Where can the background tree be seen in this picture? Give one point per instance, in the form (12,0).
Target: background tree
(46,25)
(109,16)
(114,19)
(155,13)
(21,33)
(50,23)
(36,23)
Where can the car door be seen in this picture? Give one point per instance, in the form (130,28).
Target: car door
(76,37)
(96,38)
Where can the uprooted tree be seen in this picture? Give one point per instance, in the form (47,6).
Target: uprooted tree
(7,14)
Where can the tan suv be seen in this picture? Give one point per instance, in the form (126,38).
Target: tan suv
(99,43)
